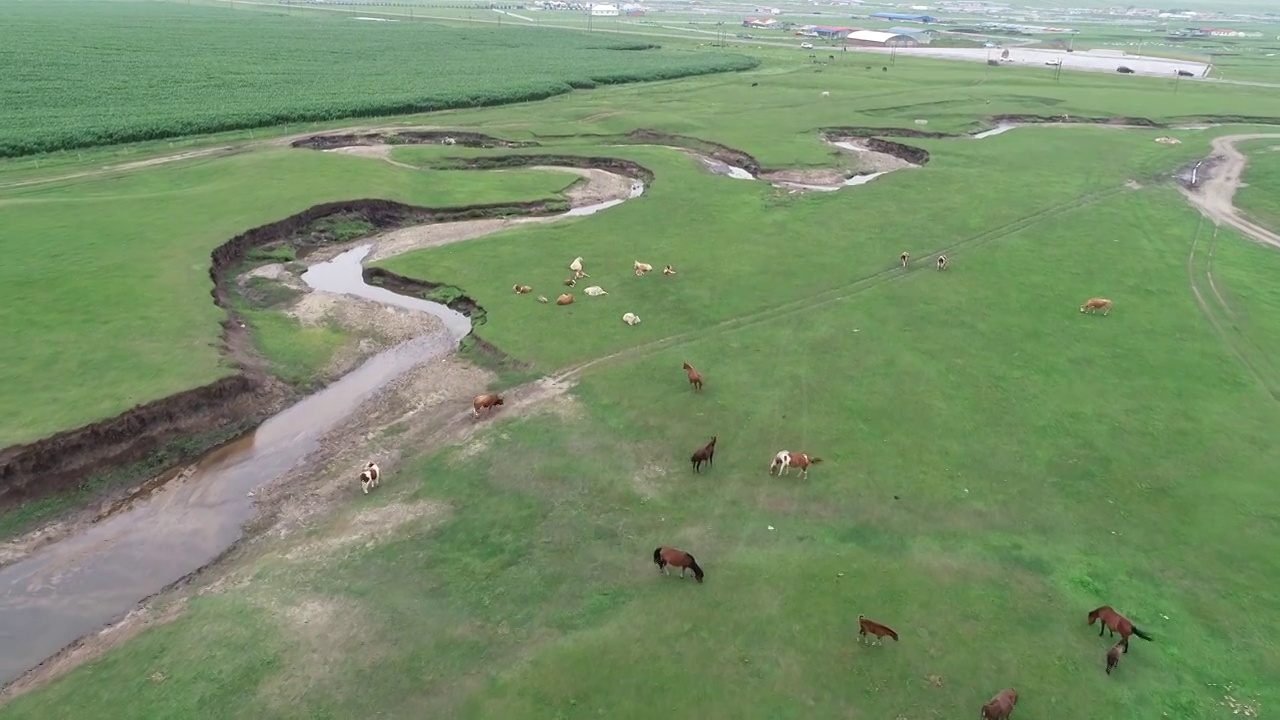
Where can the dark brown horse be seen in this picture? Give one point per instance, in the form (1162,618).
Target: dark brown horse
(695,377)
(705,454)
(664,556)
(1116,623)
(871,626)
(1000,707)
(1113,656)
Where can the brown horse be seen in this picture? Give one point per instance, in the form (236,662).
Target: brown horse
(664,556)
(486,402)
(871,626)
(695,377)
(1093,304)
(705,454)
(1113,656)
(1000,707)
(1116,623)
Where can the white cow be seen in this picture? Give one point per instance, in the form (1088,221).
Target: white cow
(631,318)
(595,291)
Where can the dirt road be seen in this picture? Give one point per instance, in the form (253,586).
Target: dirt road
(1219,178)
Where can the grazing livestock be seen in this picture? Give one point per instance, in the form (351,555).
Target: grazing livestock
(565,299)
(668,270)
(570,282)
(595,291)
(824,92)
(885,68)
(1000,707)
(576,265)
(578,275)
(754,84)
(642,268)
(448,141)
(785,460)
(705,454)
(664,556)
(369,477)
(542,298)
(871,626)
(631,318)
(486,402)
(521,289)
(695,377)
(1093,304)
(942,262)
(1116,623)
(905,258)
(1113,656)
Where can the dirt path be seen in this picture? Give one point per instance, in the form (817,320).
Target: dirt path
(1220,177)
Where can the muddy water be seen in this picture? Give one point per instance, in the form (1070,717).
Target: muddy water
(75,586)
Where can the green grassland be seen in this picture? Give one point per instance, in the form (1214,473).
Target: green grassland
(93,73)
(1259,197)
(118,267)
(996,464)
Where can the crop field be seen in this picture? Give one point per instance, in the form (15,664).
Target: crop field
(1260,195)
(995,463)
(143,71)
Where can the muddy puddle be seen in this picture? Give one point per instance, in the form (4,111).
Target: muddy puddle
(78,585)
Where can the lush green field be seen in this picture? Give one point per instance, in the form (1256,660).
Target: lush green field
(1259,197)
(118,268)
(93,73)
(996,464)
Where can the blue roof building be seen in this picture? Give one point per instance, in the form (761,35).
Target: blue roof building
(904,17)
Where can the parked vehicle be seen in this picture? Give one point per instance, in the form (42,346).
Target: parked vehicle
(1124,69)
(806,46)
(1186,73)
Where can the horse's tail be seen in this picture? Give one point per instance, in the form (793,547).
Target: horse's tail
(892,634)
(657,556)
(697,571)
(1141,634)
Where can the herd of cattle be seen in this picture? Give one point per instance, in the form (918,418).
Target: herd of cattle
(1001,706)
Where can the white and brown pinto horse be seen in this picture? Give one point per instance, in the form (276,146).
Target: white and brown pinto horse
(369,477)
(785,460)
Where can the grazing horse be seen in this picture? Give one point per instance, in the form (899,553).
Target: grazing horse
(1113,656)
(695,377)
(664,556)
(785,460)
(1000,707)
(871,626)
(668,270)
(565,299)
(1092,304)
(942,262)
(705,454)
(521,289)
(905,258)
(485,402)
(1116,623)
(642,268)
(369,477)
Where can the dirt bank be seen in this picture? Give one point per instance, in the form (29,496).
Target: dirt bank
(1218,178)
(723,153)
(329,141)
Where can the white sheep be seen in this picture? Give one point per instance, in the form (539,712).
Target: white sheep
(631,319)
(642,268)
(595,291)
(826,94)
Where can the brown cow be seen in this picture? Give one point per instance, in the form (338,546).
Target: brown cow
(1092,304)
(565,299)
(1001,706)
(485,402)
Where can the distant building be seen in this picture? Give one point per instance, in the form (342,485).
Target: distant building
(833,33)
(604,11)
(903,17)
(922,36)
(875,38)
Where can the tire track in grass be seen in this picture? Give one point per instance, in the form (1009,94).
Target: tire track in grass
(839,293)
(1218,311)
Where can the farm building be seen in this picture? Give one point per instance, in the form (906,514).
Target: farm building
(920,35)
(903,17)
(604,10)
(875,38)
(762,23)
(833,33)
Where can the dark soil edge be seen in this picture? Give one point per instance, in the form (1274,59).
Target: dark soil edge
(406,137)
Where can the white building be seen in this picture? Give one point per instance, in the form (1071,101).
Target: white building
(604,11)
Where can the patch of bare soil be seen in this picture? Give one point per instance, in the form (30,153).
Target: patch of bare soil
(377,327)
(805,177)
(377,152)
(368,527)
(1220,177)
(867,158)
(600,186)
